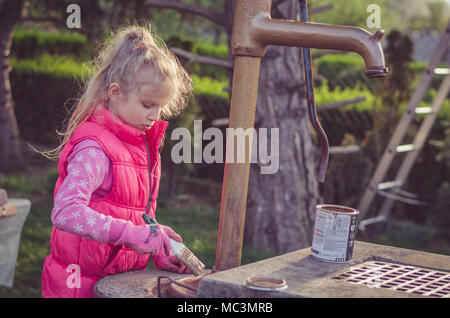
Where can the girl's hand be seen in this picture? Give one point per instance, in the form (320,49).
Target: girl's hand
(169,263)
(167,233)
(148,239)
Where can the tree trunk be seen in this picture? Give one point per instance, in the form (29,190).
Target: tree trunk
(10,152)
(281,206)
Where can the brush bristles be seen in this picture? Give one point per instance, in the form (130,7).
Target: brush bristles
(191,261)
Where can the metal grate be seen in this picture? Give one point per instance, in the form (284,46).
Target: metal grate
(404,278)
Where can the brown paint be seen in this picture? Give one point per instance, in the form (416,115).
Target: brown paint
(266,282)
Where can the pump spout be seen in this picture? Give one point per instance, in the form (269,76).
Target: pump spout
(324,36)
(263,31)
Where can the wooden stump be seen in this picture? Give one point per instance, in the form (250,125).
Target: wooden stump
(135,284)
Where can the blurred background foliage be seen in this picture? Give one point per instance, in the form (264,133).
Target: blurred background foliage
(50,62)
(401,15)
(45,57)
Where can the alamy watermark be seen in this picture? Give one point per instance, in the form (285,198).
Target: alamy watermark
(74,278)
(375,279)
(73,21)
(374,19)
(242,146)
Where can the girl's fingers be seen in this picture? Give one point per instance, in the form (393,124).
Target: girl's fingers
(175,236)
(176,262)
(173,264)
(171,267)
(170,233)
(166,245)
(181,268)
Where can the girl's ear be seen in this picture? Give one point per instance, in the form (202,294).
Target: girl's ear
(114,92)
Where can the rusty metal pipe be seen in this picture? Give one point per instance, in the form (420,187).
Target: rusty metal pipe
(253,30)
(322,36)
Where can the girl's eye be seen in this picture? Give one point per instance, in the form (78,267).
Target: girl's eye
(149,105)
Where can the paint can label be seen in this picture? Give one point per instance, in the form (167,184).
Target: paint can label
(334,233)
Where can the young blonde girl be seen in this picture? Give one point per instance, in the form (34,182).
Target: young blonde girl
(109,167)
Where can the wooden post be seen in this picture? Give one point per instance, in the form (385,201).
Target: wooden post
(235,179)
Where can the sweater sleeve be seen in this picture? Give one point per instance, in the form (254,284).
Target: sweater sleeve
(87,168)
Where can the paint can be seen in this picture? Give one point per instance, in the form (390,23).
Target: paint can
(334,233)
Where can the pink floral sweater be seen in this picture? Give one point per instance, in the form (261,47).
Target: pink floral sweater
(89,176)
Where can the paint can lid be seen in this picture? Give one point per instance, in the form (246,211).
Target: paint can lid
(265,283)
(333,208)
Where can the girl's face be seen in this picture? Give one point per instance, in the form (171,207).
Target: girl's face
(142,107)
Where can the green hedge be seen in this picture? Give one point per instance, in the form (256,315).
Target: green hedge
(203,49)
(41,86)
(29,44)
(52,65)
(34,81)
(210,86)
(342,70)
(197,47)
(324,95)
(356,119)
(39,104)
(347,70)
(211,50)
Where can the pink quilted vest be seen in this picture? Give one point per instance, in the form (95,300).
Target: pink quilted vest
(130,197)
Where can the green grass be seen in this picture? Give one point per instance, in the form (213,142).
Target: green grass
(34,247)
(198,225)
(35,237)
(409,235)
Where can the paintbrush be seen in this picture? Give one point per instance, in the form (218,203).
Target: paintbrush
(181,252)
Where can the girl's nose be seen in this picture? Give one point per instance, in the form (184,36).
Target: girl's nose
(153,115)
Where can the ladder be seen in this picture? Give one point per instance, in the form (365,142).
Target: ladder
(391,190)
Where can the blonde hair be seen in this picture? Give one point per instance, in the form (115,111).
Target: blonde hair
(130,49)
